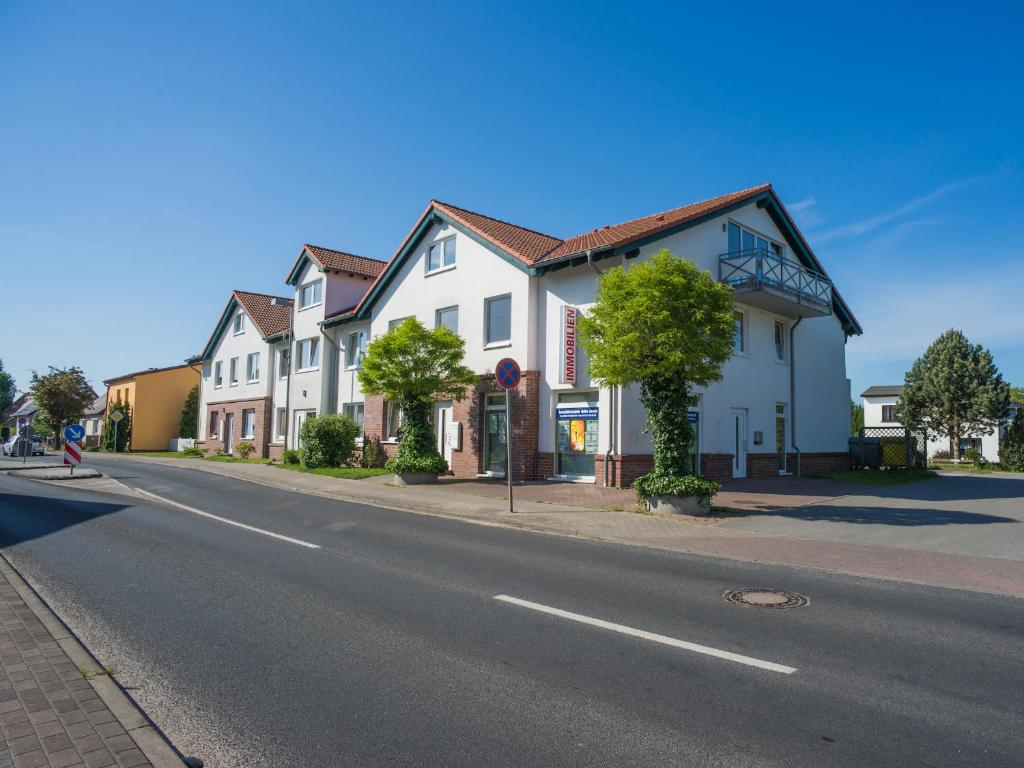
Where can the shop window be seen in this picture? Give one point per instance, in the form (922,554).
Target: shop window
(576,425)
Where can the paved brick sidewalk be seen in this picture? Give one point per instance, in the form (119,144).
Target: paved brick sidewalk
(50,714)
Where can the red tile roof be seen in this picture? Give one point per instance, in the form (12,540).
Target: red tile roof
(525,244)
(269,318)
(340,261)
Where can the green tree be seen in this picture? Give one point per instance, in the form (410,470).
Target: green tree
(123,429)
(954,389)
(414,366)
(8,389)
(187,426)
(1011,447)
(64,395)
(1017,395)
(856,417)
(668,326)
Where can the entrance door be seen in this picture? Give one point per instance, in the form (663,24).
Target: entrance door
(442,420)
(300,417)
(494,436)
(739,456)
(229,432)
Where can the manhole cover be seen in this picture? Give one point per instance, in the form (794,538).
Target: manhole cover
(765,598)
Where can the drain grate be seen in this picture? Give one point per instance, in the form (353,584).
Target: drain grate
(765,598)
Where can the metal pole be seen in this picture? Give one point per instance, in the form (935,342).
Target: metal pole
(115,435)
(508,446)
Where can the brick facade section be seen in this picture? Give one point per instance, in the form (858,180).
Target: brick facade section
(263,424)
(716,466)
(817,463)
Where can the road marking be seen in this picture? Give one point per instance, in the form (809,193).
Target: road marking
(654,638)
(200,512)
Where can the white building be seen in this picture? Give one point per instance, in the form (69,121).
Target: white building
(880,411)
(782,405)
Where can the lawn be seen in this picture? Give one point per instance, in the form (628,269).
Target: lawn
(233,459)
(345,473)
(966,466)
(155,454)
(880,476)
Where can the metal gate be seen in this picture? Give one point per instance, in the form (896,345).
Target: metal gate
(890,448)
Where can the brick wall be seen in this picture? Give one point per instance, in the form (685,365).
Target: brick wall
(623,470)
(762,465)
(814,463)
(263,424)
(716,466)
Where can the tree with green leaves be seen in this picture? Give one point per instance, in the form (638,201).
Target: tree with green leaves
(188,426)
(64,394)
(955,390)
(1017,395)
(8,389)
(856,417)
(1011,446)
(123,429)
(414,367)
(668,326)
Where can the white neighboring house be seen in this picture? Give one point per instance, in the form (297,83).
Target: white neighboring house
(92,421)
(880,411)
(240,374)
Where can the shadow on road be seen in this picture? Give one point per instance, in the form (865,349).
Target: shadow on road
(897,516)
(24,517)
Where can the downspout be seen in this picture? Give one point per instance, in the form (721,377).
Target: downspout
(199,409)
(613,398)
(792,392)
(289,334)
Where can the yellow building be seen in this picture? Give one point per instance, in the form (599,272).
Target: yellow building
(156,397)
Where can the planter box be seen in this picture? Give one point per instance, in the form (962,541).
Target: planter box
(180,443)
(415,478)
(679,505)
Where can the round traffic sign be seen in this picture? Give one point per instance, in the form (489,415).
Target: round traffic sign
(74,432)
(507,373)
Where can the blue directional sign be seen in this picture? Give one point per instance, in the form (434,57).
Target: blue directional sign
(507,372)
(74,432)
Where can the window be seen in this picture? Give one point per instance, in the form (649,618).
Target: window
(282,427)
(239,323)
(218,375)
(780,341)
(311,294)
(355,350)
(397,322)
(248,422)
(498,319)
(309,354)
(252,367)
(739,333)
(742,239)
(212,431)
(447,317)
(233,372)
(282,362)
(355,412)
(393,422)
(889,413)
(441,255)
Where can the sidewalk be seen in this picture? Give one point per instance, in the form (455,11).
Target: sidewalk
(703,536)
(51,714)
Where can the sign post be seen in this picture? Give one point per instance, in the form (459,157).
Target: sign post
(508,375)
(72,450)
(115,417)
(26,433)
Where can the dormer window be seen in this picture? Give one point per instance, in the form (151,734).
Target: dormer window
(311,294)
(239,323)
(441,255)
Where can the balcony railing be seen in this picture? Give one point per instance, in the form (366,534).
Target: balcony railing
(759,269)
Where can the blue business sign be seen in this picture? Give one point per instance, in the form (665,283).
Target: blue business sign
(692,415)
(74,432)
(587,413)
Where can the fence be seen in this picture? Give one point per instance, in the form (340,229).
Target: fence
(889,447)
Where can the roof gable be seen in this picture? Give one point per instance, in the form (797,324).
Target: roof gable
(330,260)
(268,319)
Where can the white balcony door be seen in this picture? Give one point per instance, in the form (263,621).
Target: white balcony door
(739,456)
(229,432)
(442,420)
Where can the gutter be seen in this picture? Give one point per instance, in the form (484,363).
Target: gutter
(613,399)
(792,392)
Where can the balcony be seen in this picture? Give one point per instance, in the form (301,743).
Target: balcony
(764,279)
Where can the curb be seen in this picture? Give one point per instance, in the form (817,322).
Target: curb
(147,736)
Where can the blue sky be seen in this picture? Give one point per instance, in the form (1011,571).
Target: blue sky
(155,156)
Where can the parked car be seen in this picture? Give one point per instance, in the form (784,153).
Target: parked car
(13,447)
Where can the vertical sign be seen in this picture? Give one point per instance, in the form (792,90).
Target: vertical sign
(569,315)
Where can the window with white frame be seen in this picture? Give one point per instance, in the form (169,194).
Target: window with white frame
(739,332)
(282,426)
(441,255)
(744,240)
(780,341)
(309,354)
(248,422)
(355,412)
(393,419)
(498,319)
(211,430)
(252,367)
(447,318)
(239,323)
(355,348)
(233,372)
(311,294)
(218,375)
(282,362)
(888,414)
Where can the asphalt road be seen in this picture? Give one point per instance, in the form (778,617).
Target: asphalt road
(383,643)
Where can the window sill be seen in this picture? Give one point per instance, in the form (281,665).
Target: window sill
(233,384)
(498,344)
(439,270)
(218,386)
(741,354)
(253,381)
(352,367)
(238,333)
(307,370)
(311,306)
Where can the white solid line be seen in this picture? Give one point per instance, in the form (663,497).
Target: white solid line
(654,638)
(195,511)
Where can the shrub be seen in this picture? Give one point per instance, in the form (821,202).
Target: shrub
(245,448)
(655,483)
(327,441)
(942,454)
(417,464)
(374,455)
(973,455)
(193,452)
(290,457)
(1011,447)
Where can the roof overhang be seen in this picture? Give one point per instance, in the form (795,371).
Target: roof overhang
(304,257)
